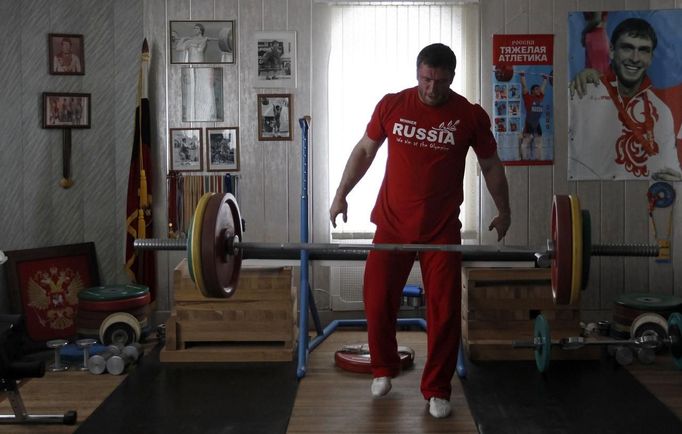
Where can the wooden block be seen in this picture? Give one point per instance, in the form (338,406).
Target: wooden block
(499,306)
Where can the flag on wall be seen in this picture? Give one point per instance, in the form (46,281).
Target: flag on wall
(140,265)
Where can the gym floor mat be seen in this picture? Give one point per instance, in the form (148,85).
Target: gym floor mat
(571,397)
(255,398)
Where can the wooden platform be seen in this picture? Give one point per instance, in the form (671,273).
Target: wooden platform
(258,323)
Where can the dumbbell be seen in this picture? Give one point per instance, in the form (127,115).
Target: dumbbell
(98,362)
(118,363)
(542,342)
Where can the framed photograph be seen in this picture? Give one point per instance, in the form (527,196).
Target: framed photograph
(44,284)
(276,52)
(202,94)
(222,149)
(185,149)
(66,110)
(274,117)
(67,54)
(202,42)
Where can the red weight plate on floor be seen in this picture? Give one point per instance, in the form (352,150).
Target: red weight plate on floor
(115,305)
(354,358)
(219,269)
(563,249)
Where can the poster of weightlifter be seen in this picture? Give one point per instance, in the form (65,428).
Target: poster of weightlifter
(625,95)
(523,98)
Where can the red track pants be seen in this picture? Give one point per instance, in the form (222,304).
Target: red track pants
(385,275)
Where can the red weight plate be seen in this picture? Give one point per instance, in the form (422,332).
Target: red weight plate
(115,305)
(219,269)
(137,312)
(563,249)
(360,362)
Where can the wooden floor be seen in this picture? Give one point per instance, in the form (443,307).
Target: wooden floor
(328,400)
(331,400)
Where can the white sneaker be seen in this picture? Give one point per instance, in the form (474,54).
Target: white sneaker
(439,408)
(381,386)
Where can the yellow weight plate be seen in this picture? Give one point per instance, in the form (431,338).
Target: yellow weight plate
(197,224)
(577,270)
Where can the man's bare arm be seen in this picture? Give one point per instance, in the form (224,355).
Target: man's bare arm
(496,182)
(357,165)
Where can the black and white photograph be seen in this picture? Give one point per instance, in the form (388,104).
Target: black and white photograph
(223,149)
(202,42)
(67,55)
(274,117)
(276,59)
(202,94)
(66,110)
(185,149)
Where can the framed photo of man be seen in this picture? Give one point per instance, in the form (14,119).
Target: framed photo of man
(202,42)
(185,149)
(66,110)
(274,117)
(276,54)
(67,54)
(222,149)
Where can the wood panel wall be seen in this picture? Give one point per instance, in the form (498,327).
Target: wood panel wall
(35,211)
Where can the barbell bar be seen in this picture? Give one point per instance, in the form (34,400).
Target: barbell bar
(542,341)
(215,248)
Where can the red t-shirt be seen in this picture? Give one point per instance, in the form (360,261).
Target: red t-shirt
(421,192)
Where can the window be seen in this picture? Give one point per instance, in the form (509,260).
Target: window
(372,51)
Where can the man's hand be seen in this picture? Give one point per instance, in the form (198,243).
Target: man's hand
(582,79)
(339,206)
(501,223)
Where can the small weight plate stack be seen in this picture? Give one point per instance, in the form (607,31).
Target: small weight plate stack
(627,307)
(97,303)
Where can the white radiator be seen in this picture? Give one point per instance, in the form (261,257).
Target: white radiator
(346,285)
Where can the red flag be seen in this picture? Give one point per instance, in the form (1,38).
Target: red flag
(141,265)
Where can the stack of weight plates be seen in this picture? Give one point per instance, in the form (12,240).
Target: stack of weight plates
(629,306)
(116,314)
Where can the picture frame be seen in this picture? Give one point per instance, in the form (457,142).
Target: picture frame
(274,117)
(222,149)
(207,41)
(67,54)
(44,284)
(185,149)
(202,94)
(66,110)
(276,59)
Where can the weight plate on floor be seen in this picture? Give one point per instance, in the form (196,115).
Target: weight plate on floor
(356,358)
(674,328)
(113,292)
(577,249)
(120,328)
(543,349)
(650,324)
(220,270)
(587,247)
(115,305)
(650,302)
(662,193)
(563,250)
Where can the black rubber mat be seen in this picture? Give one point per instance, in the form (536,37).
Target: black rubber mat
(254,398)
(581,397)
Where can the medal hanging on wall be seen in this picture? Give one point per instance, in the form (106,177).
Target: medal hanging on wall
(661,195)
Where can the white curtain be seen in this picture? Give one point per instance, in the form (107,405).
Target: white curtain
(372,49)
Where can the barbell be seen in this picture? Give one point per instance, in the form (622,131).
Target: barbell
(215,248)
(670,337)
